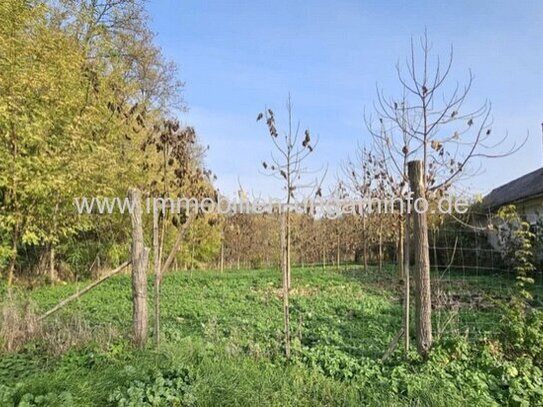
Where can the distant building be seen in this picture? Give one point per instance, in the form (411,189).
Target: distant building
(526,193)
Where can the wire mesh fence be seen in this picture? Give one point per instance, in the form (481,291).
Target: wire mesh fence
(471,282)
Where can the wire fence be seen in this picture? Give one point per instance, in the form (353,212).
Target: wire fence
(471,283)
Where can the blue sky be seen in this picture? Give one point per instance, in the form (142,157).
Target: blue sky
(238,56)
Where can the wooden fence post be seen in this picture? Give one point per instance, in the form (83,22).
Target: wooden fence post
(140,255)
(423,299)
(156,271)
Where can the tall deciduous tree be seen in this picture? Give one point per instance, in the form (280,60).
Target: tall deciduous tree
(44,130)
(83,88)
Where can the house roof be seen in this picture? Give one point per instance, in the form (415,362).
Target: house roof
(523,188)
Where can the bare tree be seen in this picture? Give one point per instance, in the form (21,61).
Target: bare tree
(429,122)
(369,179)
(179,172)
(360,180)
(287,164)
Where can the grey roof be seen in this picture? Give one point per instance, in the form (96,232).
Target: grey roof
(523,188)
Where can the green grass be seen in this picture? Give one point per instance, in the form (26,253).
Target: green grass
(224,331)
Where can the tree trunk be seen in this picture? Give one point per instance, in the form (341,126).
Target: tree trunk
(423,301)
(407,283)
(337,252)
(400,256)
(139,267)
(284,269)
(380,253)
(288,248)
(222,254)
(434,243)
(364,243)
(13,260)
(192,257)
(14,191)
(52,272)
(177,244)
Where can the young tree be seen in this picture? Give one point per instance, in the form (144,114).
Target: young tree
(370,180)
(430,122)
(287,165)
(173,162)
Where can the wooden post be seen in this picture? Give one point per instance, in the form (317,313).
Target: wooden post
(423,300)
(156,270)
(78,294)
(392,345)
(139,267)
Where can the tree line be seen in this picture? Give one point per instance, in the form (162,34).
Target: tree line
(87,108)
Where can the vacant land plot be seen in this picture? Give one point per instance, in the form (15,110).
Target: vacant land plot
(222,345)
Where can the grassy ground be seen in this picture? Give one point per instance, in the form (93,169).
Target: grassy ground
(222,345)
